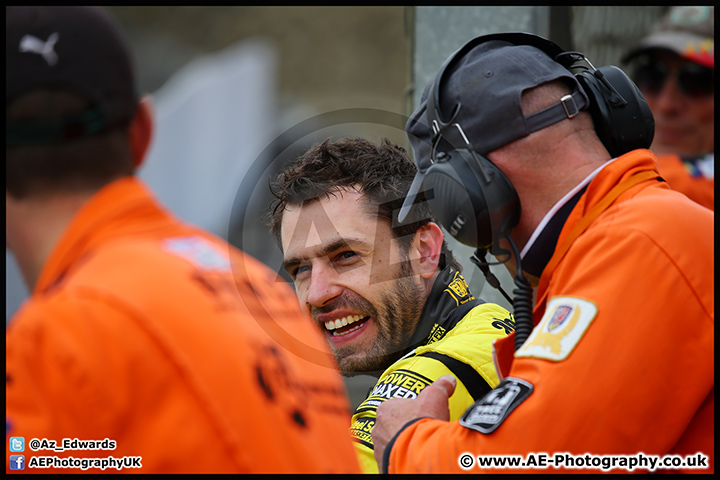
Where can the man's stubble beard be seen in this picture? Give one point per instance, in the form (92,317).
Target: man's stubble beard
(396,317)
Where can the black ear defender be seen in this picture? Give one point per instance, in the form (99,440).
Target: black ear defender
(621,116)
(471,198)
(475,201)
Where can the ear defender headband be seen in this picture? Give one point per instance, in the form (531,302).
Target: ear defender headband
(471,197)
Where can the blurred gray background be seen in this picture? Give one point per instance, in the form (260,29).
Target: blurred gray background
(238,91)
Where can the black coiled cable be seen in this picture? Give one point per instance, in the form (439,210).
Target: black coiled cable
(522,302)
(522,309)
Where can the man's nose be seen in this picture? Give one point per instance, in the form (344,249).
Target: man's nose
(669,97)
(324,285)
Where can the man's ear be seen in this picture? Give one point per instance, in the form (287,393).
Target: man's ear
(140,130)
(428,241)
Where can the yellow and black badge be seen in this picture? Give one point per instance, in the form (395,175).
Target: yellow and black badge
(361,430)
(459,290)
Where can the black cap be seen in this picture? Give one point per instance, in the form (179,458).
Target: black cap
(488,80)
(80,49)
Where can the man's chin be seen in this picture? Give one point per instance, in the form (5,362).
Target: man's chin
(364,364)
(352,367)
(355,373)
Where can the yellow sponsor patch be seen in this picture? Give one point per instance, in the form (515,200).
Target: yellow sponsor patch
(397,384)
(436,334)
(361,431)
(459,290)
(565,321)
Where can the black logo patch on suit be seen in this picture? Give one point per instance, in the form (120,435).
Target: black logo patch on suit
(490,411)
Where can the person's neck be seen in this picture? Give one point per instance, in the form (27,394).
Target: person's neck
(35,226)
(560,169)
(429,282)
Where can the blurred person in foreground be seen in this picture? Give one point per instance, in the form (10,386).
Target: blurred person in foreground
(391,301)
(617,365)
(674,66)
(144,339)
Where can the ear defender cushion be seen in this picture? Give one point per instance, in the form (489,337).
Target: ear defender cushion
(621,126)
(472,199)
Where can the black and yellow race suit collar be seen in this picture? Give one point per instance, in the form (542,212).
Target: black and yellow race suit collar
(449,301)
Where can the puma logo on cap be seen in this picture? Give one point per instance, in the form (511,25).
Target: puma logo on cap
(32,44)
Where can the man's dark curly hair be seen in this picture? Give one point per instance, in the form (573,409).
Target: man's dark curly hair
(381,172)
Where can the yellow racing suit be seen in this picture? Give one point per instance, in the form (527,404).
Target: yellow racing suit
(454,336)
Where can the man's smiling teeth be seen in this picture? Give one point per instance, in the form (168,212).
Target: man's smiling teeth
(341,322)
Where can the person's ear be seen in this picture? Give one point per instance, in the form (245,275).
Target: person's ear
(140,130)
(428,241)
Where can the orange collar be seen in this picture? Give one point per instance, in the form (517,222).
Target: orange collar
(122,207)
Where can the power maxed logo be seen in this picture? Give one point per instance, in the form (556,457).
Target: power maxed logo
(398,384)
